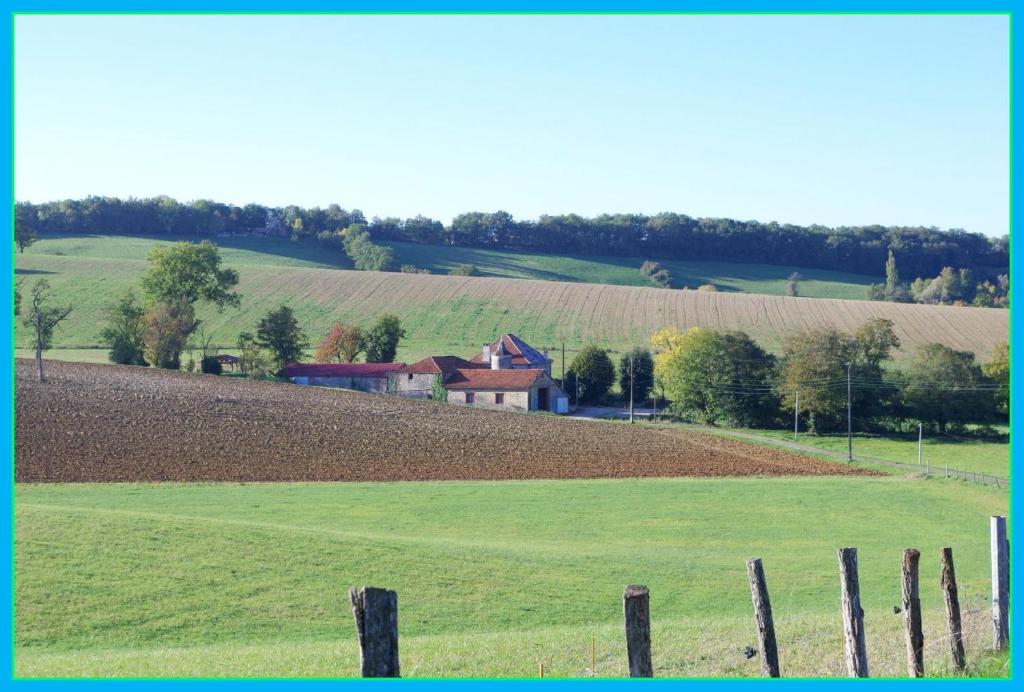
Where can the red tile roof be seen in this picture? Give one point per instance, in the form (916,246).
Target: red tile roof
(521,352)
(339,369)
(439,364)
(483,378)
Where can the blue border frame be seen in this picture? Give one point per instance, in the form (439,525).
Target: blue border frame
(10,7)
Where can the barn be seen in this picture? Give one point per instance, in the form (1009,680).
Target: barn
(364,377)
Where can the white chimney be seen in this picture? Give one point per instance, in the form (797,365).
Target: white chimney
(487,353)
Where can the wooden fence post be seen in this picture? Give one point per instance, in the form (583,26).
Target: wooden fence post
(956,635)
(853,614)
(636,609)
(376,614)
(1000,584)
(763,615)
(912,613)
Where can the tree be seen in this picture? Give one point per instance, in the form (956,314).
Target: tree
(43,319)
(943,388)
(253,360)
(381,340)
(17,297)
(876,339)
(594,372)
(714,376)
(24,227)
(343,344)
(814,363)
(637,367)
(892,277)
(123,333)
(793,285)
(189,272)
(998,370)
(166,329)
(364,253)
(280,334)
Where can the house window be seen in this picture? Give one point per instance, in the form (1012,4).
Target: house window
(469,397)
(499,398)
(410,377)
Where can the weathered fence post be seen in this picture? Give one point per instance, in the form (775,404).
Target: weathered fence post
(912,613)
(1000,584)
(853,614)
(376,614)
(763,615)
(636,609)
(956,635)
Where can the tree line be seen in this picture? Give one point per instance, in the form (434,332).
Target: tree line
(951,287)
(923,251)
(716,377)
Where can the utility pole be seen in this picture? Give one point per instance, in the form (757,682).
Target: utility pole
(849,414)
(563,363)
(920,436)
(631,388)
(796,416)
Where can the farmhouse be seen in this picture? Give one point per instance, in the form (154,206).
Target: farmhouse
(507,374)
(365,377)
(512,353)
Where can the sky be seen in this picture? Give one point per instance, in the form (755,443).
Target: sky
(837,120)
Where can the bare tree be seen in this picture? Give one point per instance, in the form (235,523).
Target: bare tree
(43,319)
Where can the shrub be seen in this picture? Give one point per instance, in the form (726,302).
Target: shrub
(211,366)
(464,270)
(413,269)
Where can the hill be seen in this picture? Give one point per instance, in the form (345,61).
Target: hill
(441,259)
(446,314)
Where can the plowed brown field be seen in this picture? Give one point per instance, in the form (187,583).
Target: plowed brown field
(112,423)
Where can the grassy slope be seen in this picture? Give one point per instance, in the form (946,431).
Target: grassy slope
(965,454)
(619,271)
(492,577)
(441,314)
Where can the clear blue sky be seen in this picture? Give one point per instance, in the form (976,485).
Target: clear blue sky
(803,119)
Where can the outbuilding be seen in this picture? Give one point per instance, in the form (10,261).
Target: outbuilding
(364,377)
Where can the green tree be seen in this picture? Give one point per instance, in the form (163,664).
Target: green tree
(124,330)
(166,329)
(253,360)
(594,372)
(17,297)
(715,376)
(636,366)
(24,227)
(42,319)
(892,277)
(189,272)
(943,388)
(876,340)
(381,340)
(998,370)
(814,363)
(751,401)
(279,333)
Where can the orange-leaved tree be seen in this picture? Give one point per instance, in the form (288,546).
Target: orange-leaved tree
(343,344)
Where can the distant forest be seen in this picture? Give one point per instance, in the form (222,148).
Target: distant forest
(920,251)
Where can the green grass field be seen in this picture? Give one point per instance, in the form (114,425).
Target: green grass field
(619,271)
(966,454)
(456,314)
(493,578)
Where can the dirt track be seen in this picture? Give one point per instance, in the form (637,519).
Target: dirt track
(108,423)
